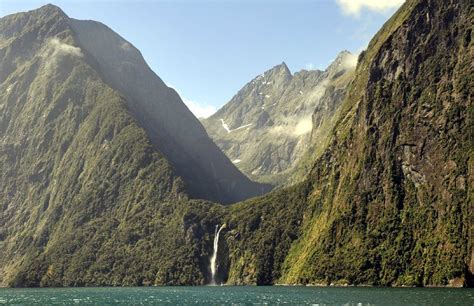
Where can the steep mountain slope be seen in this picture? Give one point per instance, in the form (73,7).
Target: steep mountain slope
(158,109)
(91,172)
(390,201)
(173,129)
(266,128)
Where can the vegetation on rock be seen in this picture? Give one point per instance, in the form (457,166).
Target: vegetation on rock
(86,198)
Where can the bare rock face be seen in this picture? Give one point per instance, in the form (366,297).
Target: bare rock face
(388,202)
(267,127)
(390,194)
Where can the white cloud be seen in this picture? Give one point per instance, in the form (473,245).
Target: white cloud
(353,7)
(295,127)
(318,91)
(54,51)
(303,126)
(60,48)
(200,110)
(350,61)
(126,46)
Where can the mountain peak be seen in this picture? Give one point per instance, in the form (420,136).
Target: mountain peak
(279,70)
(344,61)
(343,53)
(283,67)
(50,9)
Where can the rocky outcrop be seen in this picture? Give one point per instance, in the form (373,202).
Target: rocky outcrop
(388,202)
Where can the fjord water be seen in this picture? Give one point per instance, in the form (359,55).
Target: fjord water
(230,295)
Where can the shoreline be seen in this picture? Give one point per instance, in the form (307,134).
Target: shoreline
(253,285)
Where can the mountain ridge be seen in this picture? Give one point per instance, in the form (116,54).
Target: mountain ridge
(81,165)
(152,102)
(266,128)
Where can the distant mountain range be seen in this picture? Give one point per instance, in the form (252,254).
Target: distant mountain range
(107,179)
(267,127)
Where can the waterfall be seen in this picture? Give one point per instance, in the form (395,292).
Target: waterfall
(214,254)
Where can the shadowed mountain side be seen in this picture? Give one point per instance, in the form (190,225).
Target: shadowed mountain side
(172,128)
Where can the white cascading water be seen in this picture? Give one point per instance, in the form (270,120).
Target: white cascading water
(214,254)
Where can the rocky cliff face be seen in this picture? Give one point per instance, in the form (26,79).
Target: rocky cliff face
(389,202)
(266,128)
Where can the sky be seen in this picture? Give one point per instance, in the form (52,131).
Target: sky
(208,49)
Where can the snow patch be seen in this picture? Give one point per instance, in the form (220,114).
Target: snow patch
(257,171)
(241,127)
(267,96)
(9,88)
(301,92)
(224,125)
(236,161)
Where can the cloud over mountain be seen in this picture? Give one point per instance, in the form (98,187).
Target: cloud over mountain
(353,7)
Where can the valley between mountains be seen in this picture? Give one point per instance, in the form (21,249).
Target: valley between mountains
(361,174)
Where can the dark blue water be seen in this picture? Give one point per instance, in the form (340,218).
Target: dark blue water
(228,295)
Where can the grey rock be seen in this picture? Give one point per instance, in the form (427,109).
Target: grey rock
(272,122)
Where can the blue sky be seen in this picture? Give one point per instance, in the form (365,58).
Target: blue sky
(207,50)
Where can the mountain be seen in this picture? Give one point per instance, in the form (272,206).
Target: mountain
(94,148)
(266,128)
(389,201)
(171,127)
